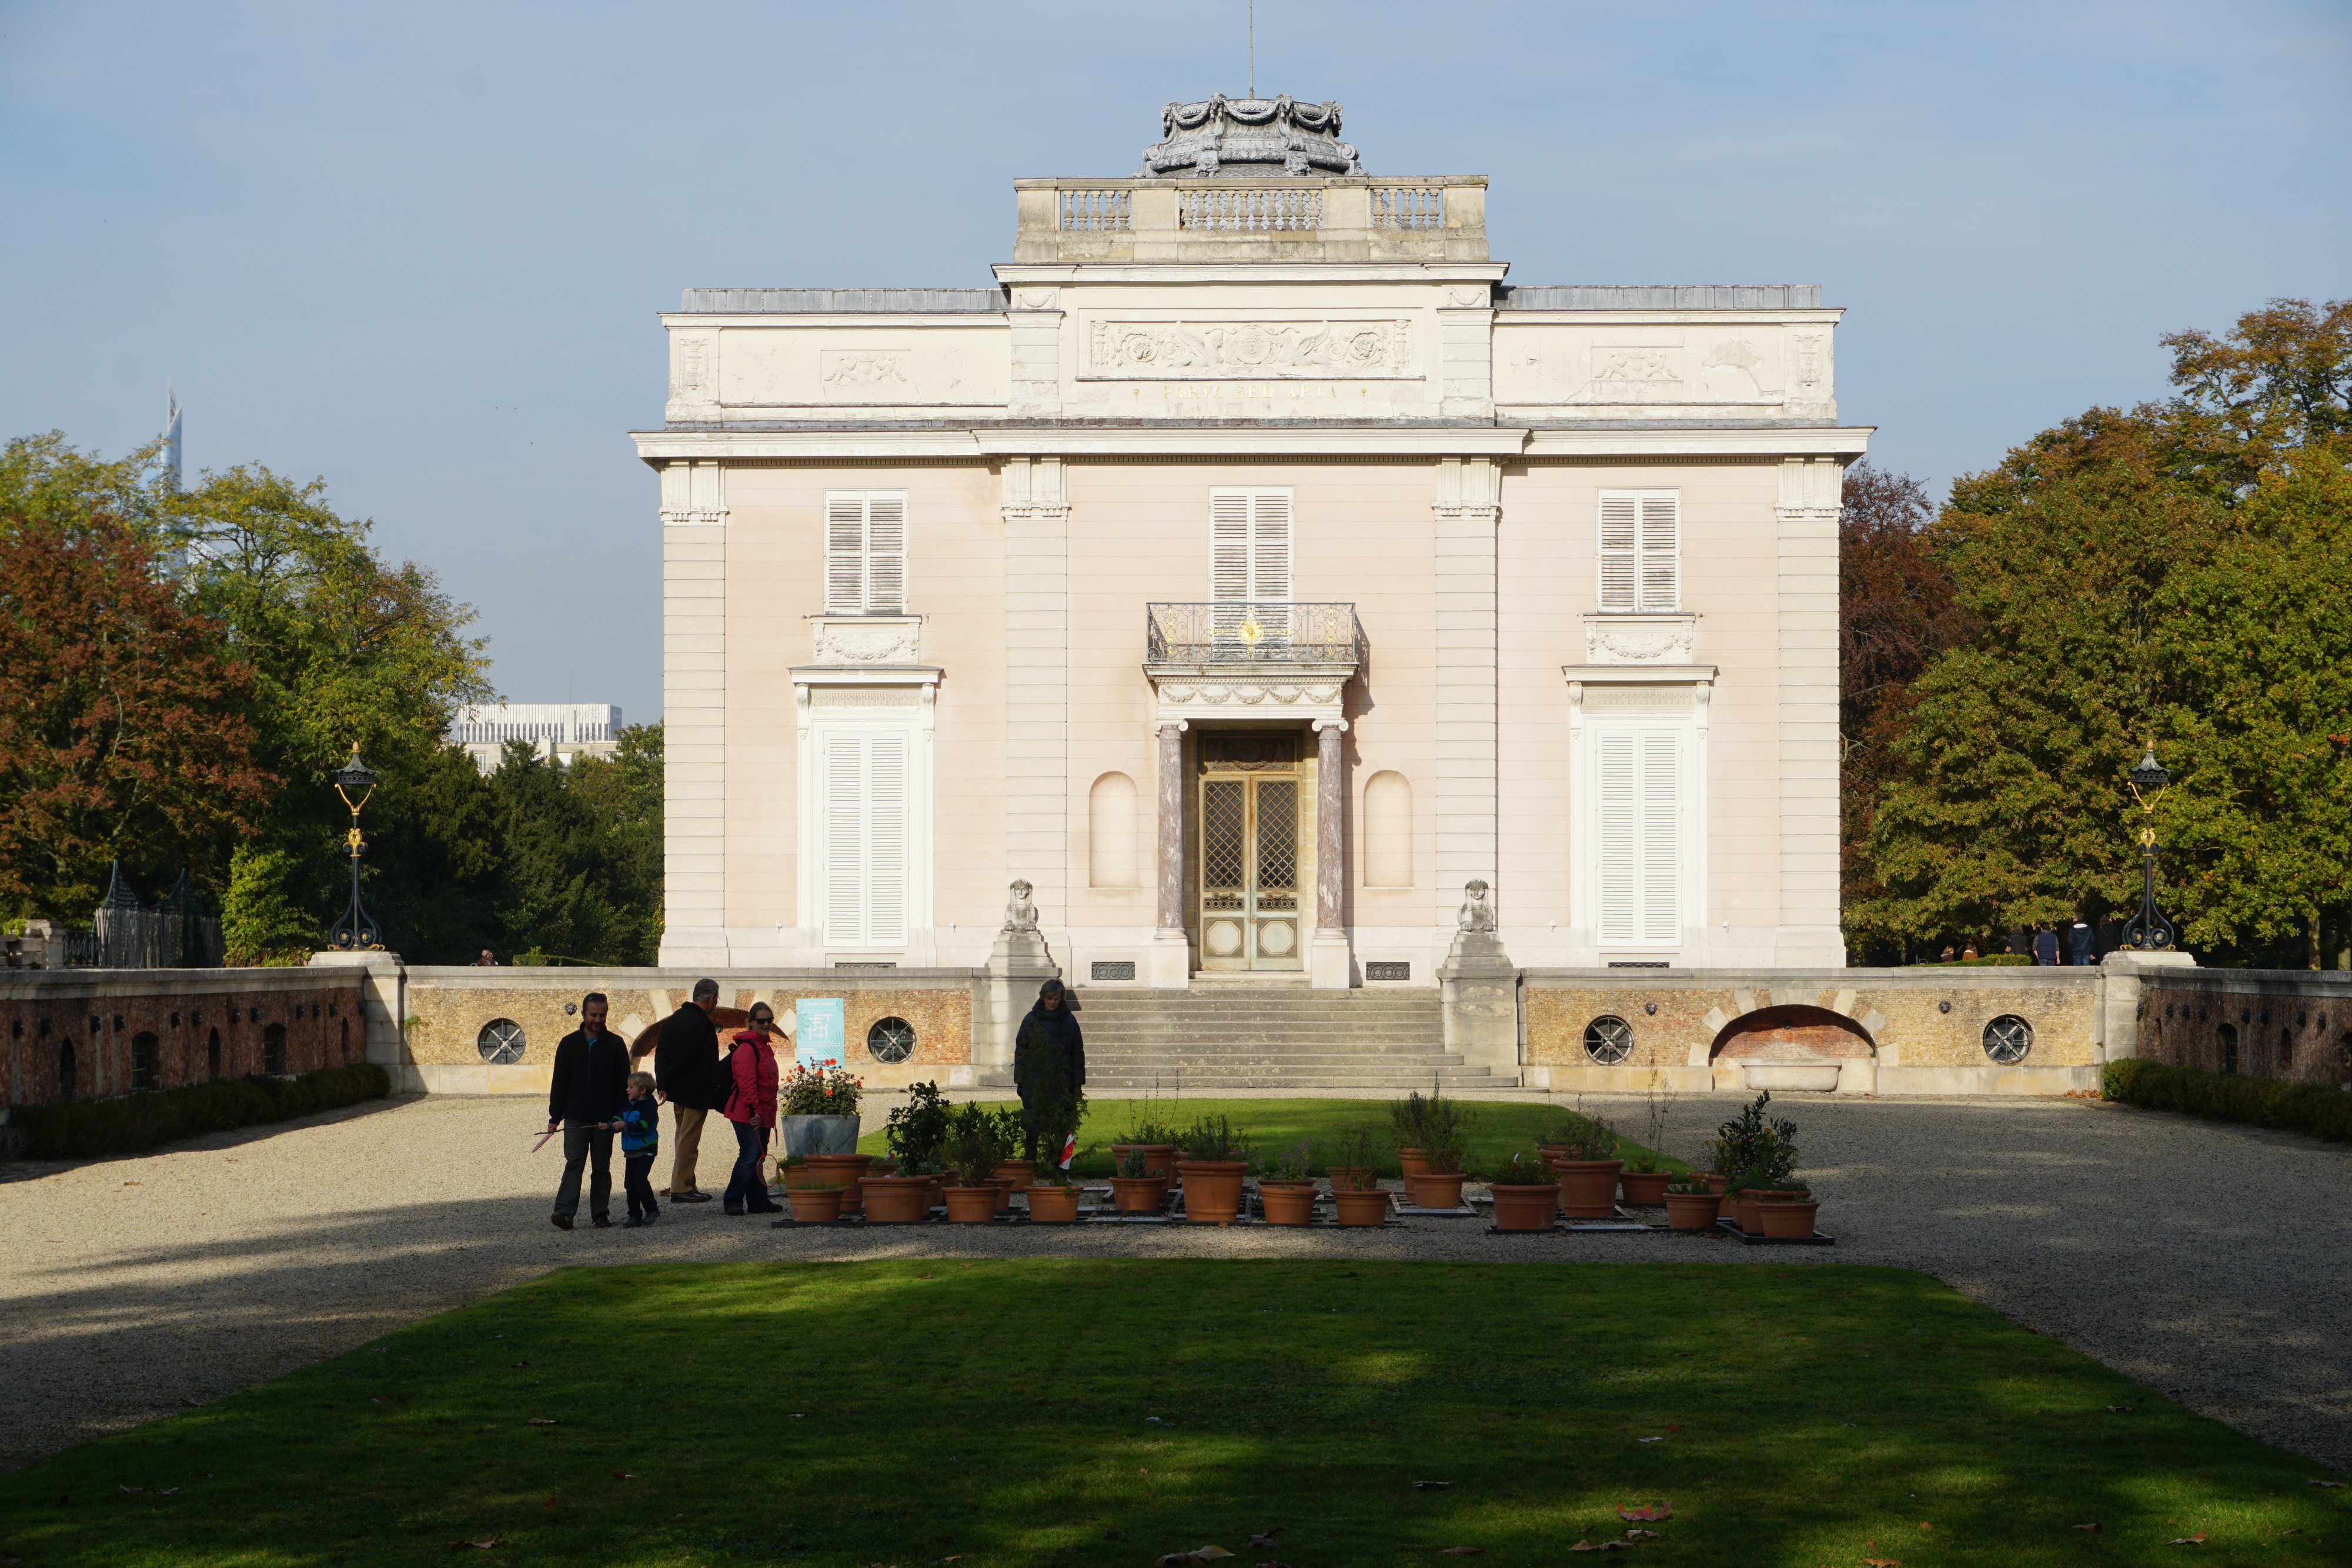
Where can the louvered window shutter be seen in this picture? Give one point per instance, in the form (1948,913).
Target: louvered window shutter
(867,825)
(1661,839)
(886,552)
(845,554)
(1619,532)
(1619,835)
(843,769)
(1270,546)
(886,843)
(1661,563)
(1229,545)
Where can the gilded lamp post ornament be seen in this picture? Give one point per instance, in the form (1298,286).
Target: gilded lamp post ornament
(2150,930)
(357,930)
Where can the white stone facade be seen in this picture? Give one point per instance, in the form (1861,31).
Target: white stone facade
(1252,566)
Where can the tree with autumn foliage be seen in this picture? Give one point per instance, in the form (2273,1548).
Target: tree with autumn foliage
(2171,574)
(124,724)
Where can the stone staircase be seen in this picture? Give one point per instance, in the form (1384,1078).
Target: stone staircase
(1223,1035)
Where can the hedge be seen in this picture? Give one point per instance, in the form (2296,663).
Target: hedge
(81,1128)
(2276,1103)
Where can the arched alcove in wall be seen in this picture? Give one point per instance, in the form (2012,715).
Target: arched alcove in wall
(1388,831)
(1792,1034)
(1110,831)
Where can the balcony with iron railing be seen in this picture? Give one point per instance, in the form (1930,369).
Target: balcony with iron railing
(1275,217)
(1252,633)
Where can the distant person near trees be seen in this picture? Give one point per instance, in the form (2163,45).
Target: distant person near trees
(486,961)
(589,1087)
(1049,1062)
(686,1070)
(2045,946)
(2079,940)
(750,1076)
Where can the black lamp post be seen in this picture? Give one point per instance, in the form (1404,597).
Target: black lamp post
(356,931)
(2150,931)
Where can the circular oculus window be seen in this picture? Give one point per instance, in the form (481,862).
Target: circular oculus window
(2008,1039)
(1608,1040)
(501,1042)
(890,1040)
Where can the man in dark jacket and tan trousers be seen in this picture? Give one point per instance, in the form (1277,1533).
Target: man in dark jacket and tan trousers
(686,1072)
(589,1086)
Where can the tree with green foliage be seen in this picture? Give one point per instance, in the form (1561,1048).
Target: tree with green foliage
(2169,575)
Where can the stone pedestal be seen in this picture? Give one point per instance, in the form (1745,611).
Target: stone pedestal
(2119,991)
(383,1003)
(1479,987)
(1003,995)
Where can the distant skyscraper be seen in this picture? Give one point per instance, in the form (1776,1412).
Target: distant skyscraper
(171,436)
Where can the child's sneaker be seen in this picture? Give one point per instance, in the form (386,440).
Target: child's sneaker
(631,1223)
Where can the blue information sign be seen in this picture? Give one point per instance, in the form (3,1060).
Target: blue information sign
(817,1029)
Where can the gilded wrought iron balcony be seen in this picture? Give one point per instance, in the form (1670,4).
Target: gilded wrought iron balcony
(1252,631)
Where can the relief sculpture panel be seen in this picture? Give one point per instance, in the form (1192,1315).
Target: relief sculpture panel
(761,367)
(1735,365)
(1260,350)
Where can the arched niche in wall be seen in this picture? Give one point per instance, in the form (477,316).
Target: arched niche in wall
(1388,831)
(1110,831)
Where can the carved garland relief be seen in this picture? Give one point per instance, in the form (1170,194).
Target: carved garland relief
(1178,351)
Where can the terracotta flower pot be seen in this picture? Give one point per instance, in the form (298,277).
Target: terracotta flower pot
(1020,1173)
(1717,1182)
(1351,1175)
(971,1205)
(816,1205)
(1588,1188)
(1437,1189)
(1787,1219)
(1212,1189)
(1692,1210)
(1415,1163)
(1742,1206)
(1361,1208)
(1646,1189)
(897,1200)
(1003,1186)
(1288,1202)
(844,1171)
(1052,1205)
(1525,1207)
(1137,1195)
(1158,1159)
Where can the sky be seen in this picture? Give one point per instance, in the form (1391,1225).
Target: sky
(418,249)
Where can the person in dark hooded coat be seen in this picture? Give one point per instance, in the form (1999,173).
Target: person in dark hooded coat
(1049,1062)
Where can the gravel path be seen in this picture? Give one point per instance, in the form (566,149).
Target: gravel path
(2208,1261)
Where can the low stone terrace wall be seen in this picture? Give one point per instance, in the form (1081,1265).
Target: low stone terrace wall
(75,1034)
(2269,1023)
(1917,1030)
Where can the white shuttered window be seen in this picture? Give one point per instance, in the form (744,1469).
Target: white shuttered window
(865,551)
(867,821)
(1639,795)
(1249,548)
(1641,550)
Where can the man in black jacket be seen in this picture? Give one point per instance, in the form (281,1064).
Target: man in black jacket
(686,1072)
(589,1084)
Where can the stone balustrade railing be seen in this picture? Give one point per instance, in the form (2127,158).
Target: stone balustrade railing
(1290,219)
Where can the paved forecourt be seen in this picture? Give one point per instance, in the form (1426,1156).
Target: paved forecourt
(2208,1261)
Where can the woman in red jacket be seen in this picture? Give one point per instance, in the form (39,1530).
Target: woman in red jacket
(749,1075)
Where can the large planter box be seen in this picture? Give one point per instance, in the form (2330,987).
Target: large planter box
(818,1135)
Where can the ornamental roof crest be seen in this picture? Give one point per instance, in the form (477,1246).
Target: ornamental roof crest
(1249,137)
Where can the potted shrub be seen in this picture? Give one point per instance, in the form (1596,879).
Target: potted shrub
(1357,1195)
(816,1200)
(976,1144)
(1588,1168)
(1212,1163)
(1749,1143)
(1691,1204)
(1011,1175)
(1286,1190)
(1360,1167)
(1053,1199)
(1788,1212)
(1447,1143)
(816,1109)
(1527,1191)
(1644,1178)
(915,1132)
(1154,1140)
(1421,1121)
(1133,1188)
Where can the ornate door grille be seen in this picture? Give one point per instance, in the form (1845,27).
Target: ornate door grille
(1249,872)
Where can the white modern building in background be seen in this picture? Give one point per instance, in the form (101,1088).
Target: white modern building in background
(559,730)
(1249,570)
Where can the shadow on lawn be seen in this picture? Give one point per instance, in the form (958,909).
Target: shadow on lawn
(1008,1413)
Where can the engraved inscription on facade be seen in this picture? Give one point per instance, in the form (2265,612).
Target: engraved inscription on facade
(1128,350)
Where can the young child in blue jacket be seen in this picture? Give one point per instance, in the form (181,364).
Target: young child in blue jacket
(640,1129)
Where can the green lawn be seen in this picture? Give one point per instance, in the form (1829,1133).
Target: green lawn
(1048,1412)
(1274,1125)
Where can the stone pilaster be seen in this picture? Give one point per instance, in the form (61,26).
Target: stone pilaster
(1467,510)
(1036,323)
(694,715)
(1037,677)
(1172,955)
(1330,965)
(1465,326)
(1809,936)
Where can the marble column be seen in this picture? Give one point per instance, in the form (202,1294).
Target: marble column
(1172,955)
(1330,968)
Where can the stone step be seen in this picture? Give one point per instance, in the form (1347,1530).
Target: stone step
(1204,1085)
(1132,1062)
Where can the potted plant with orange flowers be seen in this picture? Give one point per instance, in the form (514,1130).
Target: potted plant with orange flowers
(1211,1165)
(1287,1191)
(817,1121)
(1527,1191)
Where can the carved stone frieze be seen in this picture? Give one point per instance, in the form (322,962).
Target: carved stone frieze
(1250,136)
(1638,640)
(867,639)
(1185,351)
(1249,692)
